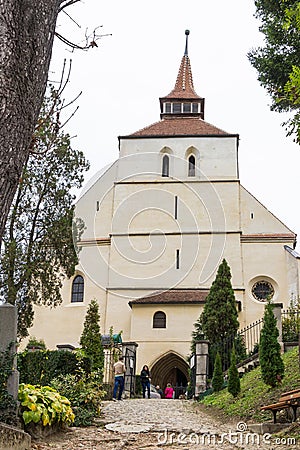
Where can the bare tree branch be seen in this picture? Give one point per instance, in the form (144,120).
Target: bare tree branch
(67,3)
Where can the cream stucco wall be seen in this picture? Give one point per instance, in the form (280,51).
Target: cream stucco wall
(136,221)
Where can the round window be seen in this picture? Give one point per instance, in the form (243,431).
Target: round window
(262,291)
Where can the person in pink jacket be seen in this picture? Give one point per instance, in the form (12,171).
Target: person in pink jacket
(169,391)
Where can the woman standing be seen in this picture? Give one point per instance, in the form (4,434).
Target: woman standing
(145,379)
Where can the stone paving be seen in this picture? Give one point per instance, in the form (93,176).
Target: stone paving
(143,424)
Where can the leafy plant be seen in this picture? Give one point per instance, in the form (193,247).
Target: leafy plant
(85,393)
(36,343)
(44,405)
(291,325)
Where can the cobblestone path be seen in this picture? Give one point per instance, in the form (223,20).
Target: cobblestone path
(143,424)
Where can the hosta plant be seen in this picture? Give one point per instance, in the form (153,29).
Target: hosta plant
(44,405)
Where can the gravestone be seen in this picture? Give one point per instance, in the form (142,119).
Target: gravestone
(8,337)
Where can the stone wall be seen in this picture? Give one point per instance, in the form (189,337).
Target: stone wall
(13,439)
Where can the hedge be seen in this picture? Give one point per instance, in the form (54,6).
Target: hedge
(40,367)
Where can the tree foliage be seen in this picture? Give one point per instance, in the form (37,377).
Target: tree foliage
(234,384)
(26,37)
(271,363)
(219,318)
(91,340)
(38,248)
(218,378)
(278,62)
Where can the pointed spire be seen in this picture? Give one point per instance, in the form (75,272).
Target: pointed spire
(184,87)
(187,32)
(183,91)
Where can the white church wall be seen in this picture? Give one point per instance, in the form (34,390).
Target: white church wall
(256,218)
(218,157)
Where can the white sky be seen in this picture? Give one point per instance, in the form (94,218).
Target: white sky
(123,79)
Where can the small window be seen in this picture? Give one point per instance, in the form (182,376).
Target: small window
(165,166)
(77,289)
(186,107)
(263,291)
(159,320)
(176,208)
(176,108)
(177,259)
(195,107)
(97,206)
(192,168)
(167,107)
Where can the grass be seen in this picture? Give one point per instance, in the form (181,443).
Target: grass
(255,393)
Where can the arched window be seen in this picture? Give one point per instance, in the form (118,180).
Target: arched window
(159,320)
(77,289)
(165,166)
(192,168)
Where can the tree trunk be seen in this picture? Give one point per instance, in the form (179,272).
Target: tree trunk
(26,37)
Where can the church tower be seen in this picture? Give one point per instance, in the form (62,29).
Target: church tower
(158,222)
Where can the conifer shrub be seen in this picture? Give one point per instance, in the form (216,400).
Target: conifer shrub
(271,363)
(217,379)
(234,385)
(91,339)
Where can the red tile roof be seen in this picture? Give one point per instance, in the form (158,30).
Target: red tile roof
(184,86)
(180,126)
(173,296)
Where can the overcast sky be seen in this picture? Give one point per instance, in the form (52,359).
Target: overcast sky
(124,77)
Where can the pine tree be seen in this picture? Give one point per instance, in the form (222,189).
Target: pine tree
(197,334)
(271,363)
(91,340)
(234,385)
(219,318)
(217,379)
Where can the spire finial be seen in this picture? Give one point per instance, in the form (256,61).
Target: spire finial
(187,32)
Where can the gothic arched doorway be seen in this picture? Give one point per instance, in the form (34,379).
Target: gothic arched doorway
(171,368)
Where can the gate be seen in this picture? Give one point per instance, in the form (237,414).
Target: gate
(129,353)
(192,383)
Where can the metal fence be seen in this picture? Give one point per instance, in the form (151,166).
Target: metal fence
(290,325)
(246,343)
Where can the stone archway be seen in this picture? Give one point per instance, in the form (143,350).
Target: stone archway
(170,368)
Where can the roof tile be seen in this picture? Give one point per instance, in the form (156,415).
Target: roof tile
(173,296)
(180,126)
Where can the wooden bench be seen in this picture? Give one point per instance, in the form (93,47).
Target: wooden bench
(287,400)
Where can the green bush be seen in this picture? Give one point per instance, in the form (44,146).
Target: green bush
(8,405)
(217,379)
(291,327)
(40,367)
(270,360)
(85,394)
(43,405)
(91,340)
(234,384)
(36,343)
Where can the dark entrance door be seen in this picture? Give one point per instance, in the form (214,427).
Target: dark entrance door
(171,369)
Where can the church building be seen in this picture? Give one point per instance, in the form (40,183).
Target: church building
(158,223)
